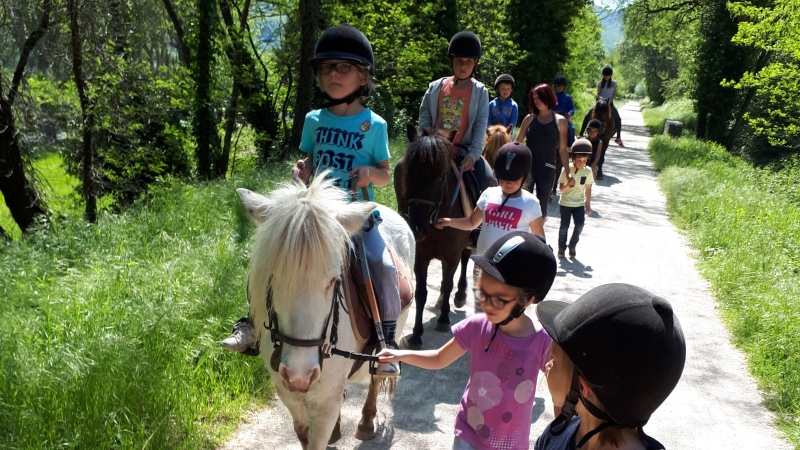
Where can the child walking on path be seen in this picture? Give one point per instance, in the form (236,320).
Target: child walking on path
(346,139)
(507,350)
(459,102)
(598,152)
(506,207)
(576,196)
(503,110)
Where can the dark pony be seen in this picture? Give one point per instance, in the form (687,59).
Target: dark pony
(424,185)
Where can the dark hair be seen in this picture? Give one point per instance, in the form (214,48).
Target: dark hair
(607,71)
(601,111)
(545,94)
(523,295)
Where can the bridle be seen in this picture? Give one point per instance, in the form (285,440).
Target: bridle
(326,346)
(434,204)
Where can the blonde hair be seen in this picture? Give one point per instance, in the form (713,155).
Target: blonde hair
(611,435)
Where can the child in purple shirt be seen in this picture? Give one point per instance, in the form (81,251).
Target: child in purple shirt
(507,349)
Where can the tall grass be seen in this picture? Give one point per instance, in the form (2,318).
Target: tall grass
(680,110)
(744,225)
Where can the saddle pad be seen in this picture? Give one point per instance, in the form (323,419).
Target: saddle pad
(356,294)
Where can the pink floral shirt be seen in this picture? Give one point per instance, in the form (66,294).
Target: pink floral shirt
(495,411)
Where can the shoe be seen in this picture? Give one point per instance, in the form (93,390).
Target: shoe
(242,338)
(572,252)
(618,141)
(560,253)
(599,174)
(391,369)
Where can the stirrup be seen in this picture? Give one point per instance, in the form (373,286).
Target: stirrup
(373,370)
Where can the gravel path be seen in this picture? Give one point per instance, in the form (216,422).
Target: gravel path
(627,239)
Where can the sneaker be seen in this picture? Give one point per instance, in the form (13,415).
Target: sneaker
(618,141)
(560,253)
(242,338)
(572,252)
(388,370)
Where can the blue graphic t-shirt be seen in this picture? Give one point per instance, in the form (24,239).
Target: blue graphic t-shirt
(343,143)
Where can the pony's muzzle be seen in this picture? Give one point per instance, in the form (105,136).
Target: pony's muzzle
(298,380)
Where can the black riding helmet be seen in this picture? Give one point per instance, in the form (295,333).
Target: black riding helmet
(513,161)
(560,80)
(349,44)
(608,71)
(503,78)
(464,44)
(626,343)
(522,260)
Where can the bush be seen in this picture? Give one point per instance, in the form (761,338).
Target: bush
(744,223)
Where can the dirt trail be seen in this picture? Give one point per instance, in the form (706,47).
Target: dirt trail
(627,239)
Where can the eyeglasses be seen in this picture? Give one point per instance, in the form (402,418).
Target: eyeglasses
(343,68)
(495,302)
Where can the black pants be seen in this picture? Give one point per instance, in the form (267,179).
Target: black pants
(543,175)
(577,214)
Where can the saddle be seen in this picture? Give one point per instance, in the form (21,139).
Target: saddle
(355,293)
(474,182)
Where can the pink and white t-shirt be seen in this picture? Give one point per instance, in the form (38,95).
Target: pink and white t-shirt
(516,215)
(495,411)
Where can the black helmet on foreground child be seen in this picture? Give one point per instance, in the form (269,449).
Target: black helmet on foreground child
(560,80)
(626,343)
(522,260)
(581,147)
(344,42)
(349,44)
(504,78)
(513,161)
(608,71)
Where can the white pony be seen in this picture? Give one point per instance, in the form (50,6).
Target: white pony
(300,251)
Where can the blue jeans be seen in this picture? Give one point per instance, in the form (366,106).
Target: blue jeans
(567,214)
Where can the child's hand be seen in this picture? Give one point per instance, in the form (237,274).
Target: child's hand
(571,182)
(301,171)
(441,223)
(588,209)
(363,173)
(389,355)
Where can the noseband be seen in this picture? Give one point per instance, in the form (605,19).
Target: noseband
(435,204)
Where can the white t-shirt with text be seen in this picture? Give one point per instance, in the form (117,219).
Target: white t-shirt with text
(516,215)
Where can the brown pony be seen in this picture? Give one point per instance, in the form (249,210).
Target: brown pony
(496,137)
(424,183)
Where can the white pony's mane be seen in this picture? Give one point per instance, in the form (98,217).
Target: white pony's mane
(299,242)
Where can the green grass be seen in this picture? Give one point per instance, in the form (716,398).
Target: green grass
(680,110)
(744,225)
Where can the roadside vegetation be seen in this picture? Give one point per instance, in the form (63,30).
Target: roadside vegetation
(743,222)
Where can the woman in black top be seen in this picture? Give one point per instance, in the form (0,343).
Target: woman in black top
(546,136)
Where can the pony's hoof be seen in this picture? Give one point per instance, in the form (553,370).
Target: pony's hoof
(443,327)
(439,302)
(411,342)
(460,300)
(365,434)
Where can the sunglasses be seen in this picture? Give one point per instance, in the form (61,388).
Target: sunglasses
(496,302)
(342,68)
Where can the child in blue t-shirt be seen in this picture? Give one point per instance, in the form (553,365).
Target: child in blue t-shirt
(503,110)
(348,140)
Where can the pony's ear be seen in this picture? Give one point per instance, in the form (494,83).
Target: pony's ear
(452,135)
(509,129)
(256,205)
(411,132)
(353,215)
(488,131)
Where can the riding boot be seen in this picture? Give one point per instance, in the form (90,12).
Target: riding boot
(389,330)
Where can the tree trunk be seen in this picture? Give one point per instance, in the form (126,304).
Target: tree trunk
(205,124)
(20,196)
(221,165)
(86,112)
(309,24)
(183,47)
(763,58)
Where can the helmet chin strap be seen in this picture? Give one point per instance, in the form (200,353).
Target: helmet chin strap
(568,412)
(516,312)
(358,93)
